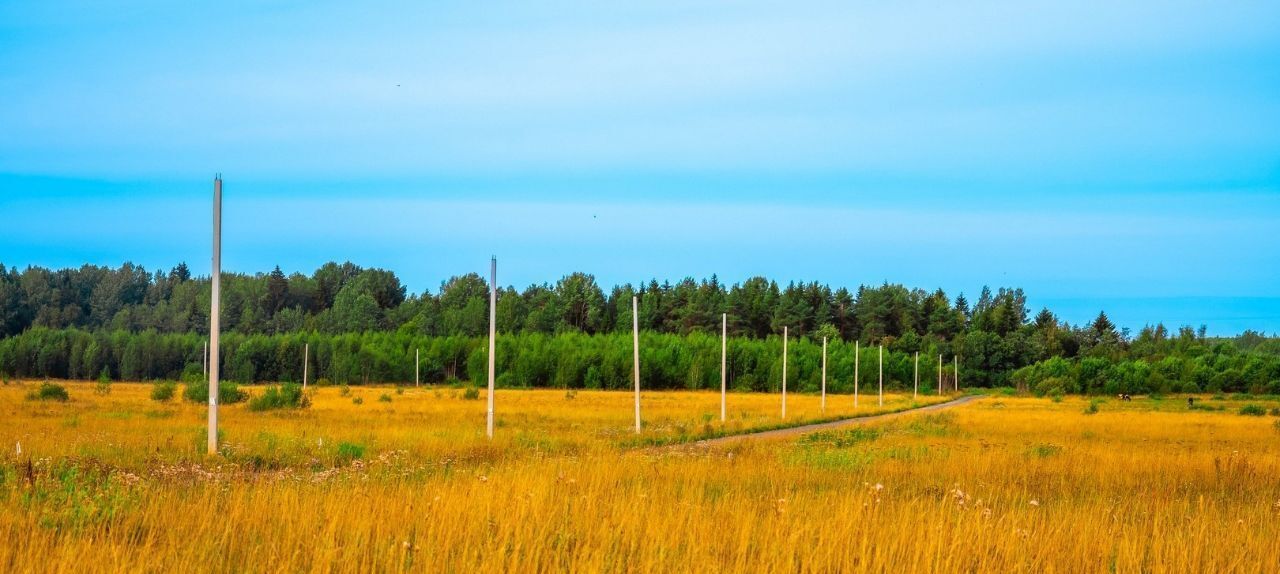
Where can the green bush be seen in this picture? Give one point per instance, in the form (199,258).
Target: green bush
(228,393)
(471,394)
(1051,386)
(1092,409)
(385,398)
(344,390)
(323,382)
(104,383)
(1253,411)
(286,396)
(357,401)
(349,451)
(163,390)
(49,392)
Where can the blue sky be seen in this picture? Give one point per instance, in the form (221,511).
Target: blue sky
(1117,157)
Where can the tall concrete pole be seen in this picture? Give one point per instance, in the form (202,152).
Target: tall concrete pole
(824,374)
(784,373)
(856,381)
(957,369)
(635,349)
(417,362)
(493,333)
(306,363)
(724,356)
(215,315)
(882,375)
(939,375)
(204,358)
(915,394)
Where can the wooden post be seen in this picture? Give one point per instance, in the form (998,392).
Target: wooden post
(784,373)
(635,349)
(824,375)
(493,332)
(215,315)
(882,375)
(724,355)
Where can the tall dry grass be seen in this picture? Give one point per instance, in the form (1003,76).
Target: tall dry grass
(1005,484)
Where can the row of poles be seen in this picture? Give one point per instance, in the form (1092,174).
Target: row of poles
(212,366)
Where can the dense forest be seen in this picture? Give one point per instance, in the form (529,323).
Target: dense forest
(363,326)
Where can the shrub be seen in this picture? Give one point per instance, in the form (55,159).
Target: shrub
(104,383)
(228,392)
(286,396)
(323,382)
(385,398)
(49,392)
(349,451)
(471,394)
(357,401)
(1275,412)
(1092,409)
(344,390)
(399,390)
(1051,386)
(163,390)
(1253,411)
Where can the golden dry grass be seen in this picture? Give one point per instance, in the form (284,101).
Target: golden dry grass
(116,483)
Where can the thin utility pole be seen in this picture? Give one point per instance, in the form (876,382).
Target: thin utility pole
(939,375)
(784,373)
(882,375)
(856,380)
(824,375)
(215,313)
(724,354)
(306,363)
(915,394)
(416,366)
(204,359)
(957,369)
(635,349)
(493,332)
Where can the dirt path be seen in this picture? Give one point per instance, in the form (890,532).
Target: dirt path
(795,431)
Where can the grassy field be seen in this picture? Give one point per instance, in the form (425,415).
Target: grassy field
(118,482)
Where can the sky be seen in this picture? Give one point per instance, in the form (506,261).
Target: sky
(1122,157)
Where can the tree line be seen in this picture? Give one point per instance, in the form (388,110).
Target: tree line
(363,327)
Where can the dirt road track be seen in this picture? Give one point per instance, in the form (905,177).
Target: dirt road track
(796,431)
